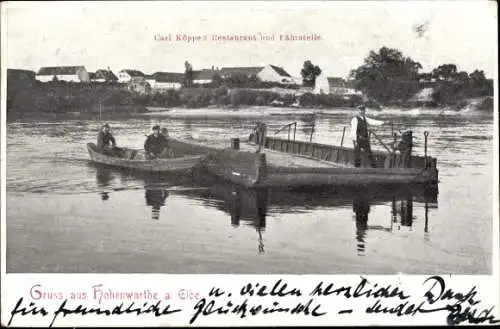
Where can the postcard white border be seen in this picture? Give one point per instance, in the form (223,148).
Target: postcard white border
(488,285)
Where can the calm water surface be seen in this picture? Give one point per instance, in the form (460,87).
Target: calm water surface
(66,215)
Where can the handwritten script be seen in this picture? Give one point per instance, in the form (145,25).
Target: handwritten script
(264,299)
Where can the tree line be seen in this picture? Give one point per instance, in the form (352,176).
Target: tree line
(388,76)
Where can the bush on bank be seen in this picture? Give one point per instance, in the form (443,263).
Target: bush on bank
(57,97)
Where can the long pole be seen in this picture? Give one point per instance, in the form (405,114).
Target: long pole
(312,132)
(394,151)
(100,110)
(426,133)
(342,140)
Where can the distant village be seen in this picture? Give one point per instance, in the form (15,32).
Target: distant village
(135,80)
(256,85)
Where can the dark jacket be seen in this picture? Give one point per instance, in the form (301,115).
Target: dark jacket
(105,139)
(362,130)
(155,145)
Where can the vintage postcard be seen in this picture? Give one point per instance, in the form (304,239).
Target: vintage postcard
(186,163)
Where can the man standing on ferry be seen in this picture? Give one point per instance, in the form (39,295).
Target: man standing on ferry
(360,135)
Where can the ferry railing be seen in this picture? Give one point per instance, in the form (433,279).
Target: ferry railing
(289,126)
(381,142)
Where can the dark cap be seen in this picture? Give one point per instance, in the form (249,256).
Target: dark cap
(361,107)
(157,127)
(105,125)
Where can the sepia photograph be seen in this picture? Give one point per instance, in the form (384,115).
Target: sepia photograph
(336,138)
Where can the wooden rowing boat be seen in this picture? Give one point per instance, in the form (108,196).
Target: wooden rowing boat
(186,157)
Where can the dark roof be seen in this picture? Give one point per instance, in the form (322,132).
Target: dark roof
(16,73)
(205,74)
(134,73)
(59,70)
(281,71)
(106,75)
(336,82)
(350,84)
(244,70)
(167,77)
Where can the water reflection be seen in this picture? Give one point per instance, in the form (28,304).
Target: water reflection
(155,198)
(104,177)
(251,207)
(256,199)
(361,208)
(155,194)
(402,214)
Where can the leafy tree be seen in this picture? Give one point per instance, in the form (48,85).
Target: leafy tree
(462,77)
(380,70)
(309,74)
(238,80)
(217,80)
(425,76)
(478,77)
(446,72)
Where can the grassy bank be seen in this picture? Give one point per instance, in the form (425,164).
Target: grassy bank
(63,97)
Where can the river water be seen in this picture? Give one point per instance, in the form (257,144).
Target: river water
(66,215)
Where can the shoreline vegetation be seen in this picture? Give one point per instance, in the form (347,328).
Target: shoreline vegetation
(386,78)
(65,97)
(62,97)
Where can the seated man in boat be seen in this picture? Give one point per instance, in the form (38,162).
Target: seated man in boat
(360,135)
(155,144)
(106,143)
(167,151)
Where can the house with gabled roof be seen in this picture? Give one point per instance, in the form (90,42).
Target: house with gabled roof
(127,75)
(273,73)
(226,72)
(204,76)
(63,73)
(103,76)
(268,73)
(334,86)
(165,80)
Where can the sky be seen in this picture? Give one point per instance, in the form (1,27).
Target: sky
(122,35)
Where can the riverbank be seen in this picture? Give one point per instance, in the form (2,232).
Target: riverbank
(55,98)
(64,97)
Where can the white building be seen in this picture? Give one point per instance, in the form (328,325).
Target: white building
(204,76)
(248,71)
(321,85)
(272,73)
(165,80)
(125,76)
(63,73)
(268,73)
(334,86)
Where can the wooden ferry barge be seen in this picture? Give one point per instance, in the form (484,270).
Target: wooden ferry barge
(286,163)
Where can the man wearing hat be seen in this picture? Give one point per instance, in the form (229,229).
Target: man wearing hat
(155,143)
(360,136)
(105,141)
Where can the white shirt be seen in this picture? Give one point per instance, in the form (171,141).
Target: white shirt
(369,121)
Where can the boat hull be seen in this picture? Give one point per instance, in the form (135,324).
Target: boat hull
(179,164)
(279,165)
